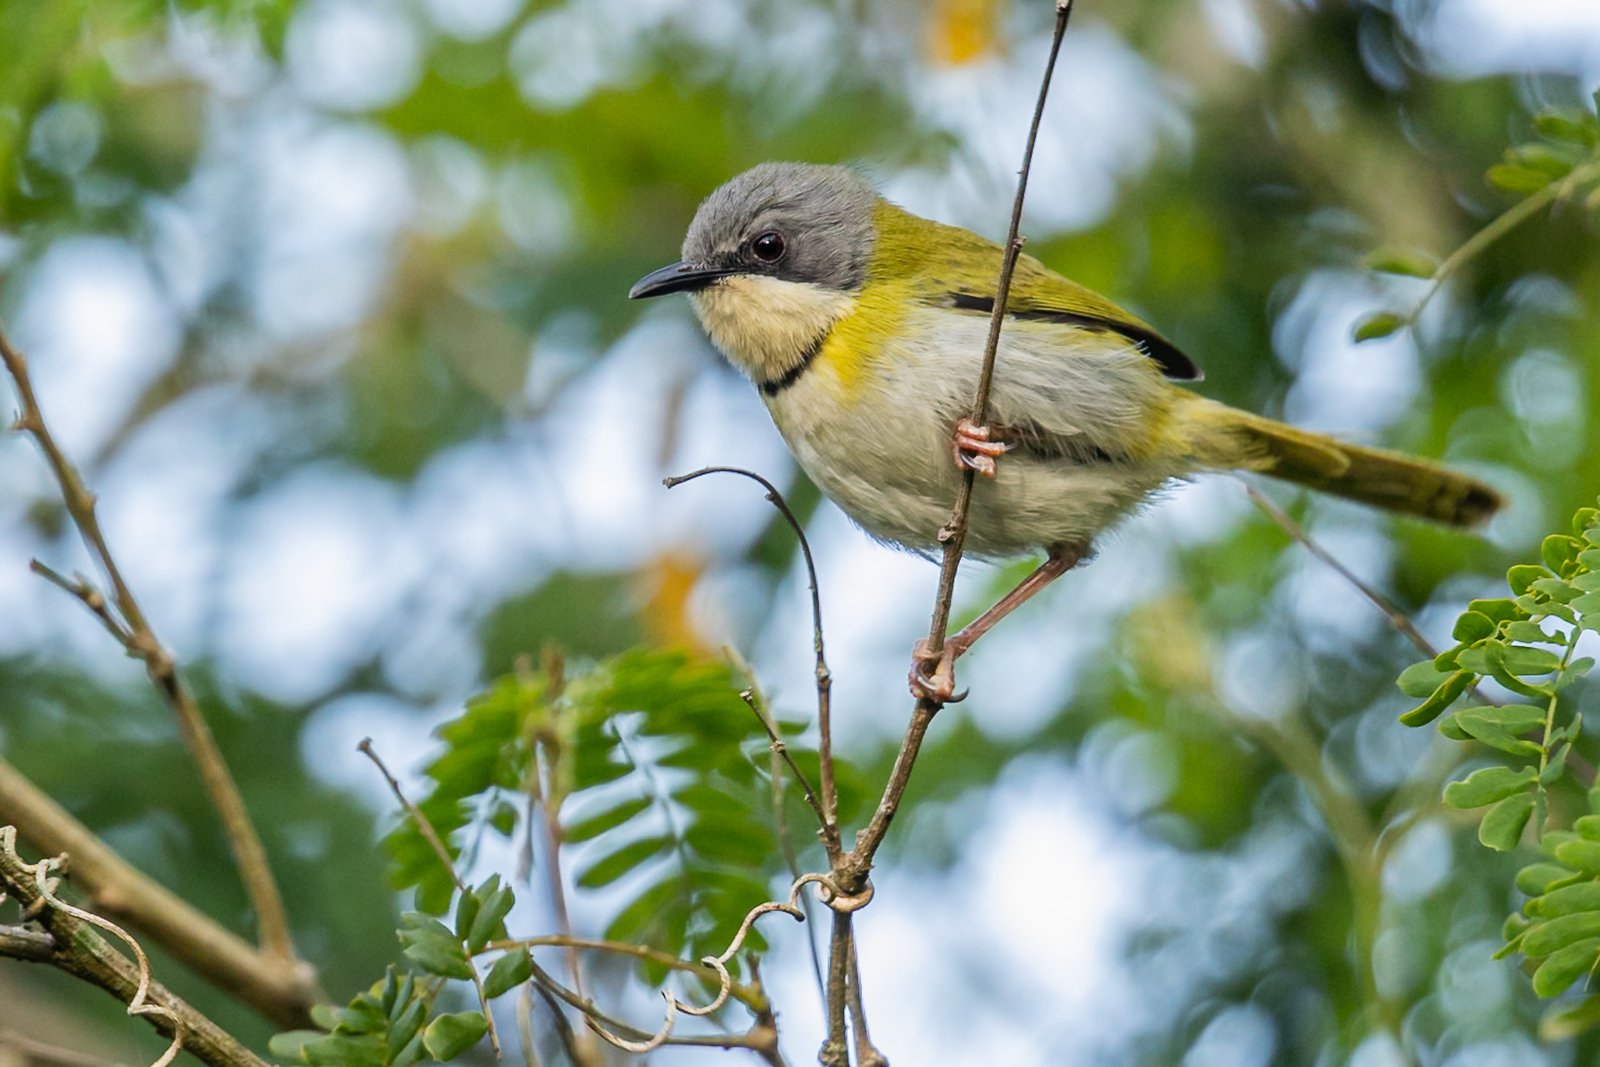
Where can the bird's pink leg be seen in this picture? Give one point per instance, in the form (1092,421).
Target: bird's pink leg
(973,448)
(933,676)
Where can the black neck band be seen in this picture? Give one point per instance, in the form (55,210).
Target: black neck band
(773,386)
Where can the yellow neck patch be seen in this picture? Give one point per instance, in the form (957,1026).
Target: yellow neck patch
(766,326)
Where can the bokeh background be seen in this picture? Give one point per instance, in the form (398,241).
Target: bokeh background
(327,297)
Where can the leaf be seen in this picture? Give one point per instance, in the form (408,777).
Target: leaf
(404,1029)
(609,868)
(290,1044)
(1421,679)
(1528,632)
(1515,178)
(1394,259)
(1521,660)
(609,819)
(1520,577)
(491,918)
(1499,609)
(448,1036)
(509,971)
(1499,727)
(1377,325)
(1569,900)
(1580,855)
(1555,934)
(1570,125)
(1563,1022)
(1560,553)
(1537,878)
(1473,626)
(1488,785)
(1557,973)
(1501,828)
(1442,698)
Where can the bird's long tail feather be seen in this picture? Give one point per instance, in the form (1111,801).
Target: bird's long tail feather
(1389,480)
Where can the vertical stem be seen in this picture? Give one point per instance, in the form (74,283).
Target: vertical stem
(835,1050)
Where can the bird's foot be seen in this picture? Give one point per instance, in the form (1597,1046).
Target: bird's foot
(974,448)
(933,674)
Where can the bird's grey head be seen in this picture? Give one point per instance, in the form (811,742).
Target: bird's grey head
(793,221)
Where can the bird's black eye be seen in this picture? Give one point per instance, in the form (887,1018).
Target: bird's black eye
(768,247)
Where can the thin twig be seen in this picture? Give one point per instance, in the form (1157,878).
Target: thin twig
(781,750)
(852,871)
(867,1054)
(835,1051)
(78,586)
(40,1054)
(1396,617)
(747,995)
(243,840)
(824,677)
(431,835)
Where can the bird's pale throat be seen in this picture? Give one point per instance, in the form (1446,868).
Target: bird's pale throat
(770,328)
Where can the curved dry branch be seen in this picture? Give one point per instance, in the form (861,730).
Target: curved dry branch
(75,946)
(134,632)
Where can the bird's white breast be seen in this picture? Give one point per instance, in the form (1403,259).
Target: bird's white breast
(879,446)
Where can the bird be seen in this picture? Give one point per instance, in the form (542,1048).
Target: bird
(863,328)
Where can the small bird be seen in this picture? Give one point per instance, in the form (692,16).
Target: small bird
(863,326)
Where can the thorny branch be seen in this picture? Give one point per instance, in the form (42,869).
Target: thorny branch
(69,941)
(134,632)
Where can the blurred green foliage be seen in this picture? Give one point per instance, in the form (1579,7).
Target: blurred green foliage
(1230,717)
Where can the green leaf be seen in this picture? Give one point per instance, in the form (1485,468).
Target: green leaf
(441,956)
(498,901)
(1528,632)
(1521,660)
(1515,178)
(290,1044)
(1552,161)
(1570,125)
(1587,604)
(1557,973)
(1498,727)
(1377,325)
(1503,824)
(1569,900)
(609,819)
(1579,855)
(1421,679)
(1452,729)
(509,971)
(1442,698)
(1555,934)
(609,868)
(1499,609)
(404,1029)
(1564,1022)
(1393,259)
(1473,626)
(448,1036)
(1488,785)
(1537,878)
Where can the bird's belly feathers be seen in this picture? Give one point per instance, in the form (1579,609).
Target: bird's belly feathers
(877,439)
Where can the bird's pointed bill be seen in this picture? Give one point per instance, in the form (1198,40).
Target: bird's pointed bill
(677,277)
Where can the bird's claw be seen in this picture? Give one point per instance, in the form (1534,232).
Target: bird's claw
(974,449)
(933,675)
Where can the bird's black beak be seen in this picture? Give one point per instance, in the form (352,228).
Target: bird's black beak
(677,277)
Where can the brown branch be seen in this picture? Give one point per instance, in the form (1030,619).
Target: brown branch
(41,1054)
(141,641)
(79,950)
(829,812)
(282,990)
(835,1051)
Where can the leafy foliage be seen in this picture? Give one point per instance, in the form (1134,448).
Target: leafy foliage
(1507,641)
(656,770)
(1563,162)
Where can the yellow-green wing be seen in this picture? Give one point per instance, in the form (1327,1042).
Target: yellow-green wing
(958,269)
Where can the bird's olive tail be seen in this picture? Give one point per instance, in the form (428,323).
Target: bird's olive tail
(1373,476)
